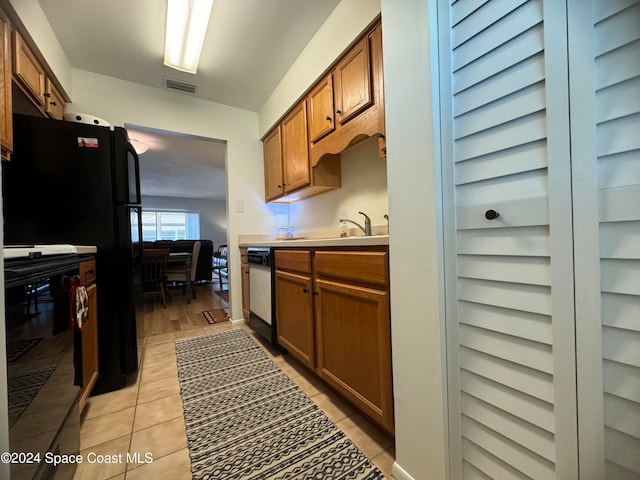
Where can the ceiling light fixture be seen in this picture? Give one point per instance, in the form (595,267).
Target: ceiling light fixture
(139,146)
(186,26)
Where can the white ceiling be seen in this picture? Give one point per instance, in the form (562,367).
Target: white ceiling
(249,46)
(179,165)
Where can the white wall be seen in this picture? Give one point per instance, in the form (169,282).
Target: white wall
(121,102)
(415,245)
(213,214)
(364,180)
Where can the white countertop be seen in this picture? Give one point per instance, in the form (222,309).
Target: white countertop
(18,251)
(354,241)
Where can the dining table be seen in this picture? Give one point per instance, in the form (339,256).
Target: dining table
(179,258)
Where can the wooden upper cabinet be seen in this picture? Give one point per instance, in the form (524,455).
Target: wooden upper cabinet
(295,149)
(353,82)
(28,71)
(341,109)
(378,81)
(55,105)
(6,103)
(30,75)
(320,108)
(287,171)
(19,64)
(272,145)
(358,99)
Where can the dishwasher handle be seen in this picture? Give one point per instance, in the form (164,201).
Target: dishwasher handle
(260,259)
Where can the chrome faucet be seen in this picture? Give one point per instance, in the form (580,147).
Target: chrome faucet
(367,224)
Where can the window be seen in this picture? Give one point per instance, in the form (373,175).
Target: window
(159,225)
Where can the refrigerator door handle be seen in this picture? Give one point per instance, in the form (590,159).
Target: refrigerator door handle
(134,170)
(136,237)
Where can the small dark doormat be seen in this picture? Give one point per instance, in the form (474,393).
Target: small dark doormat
(219,315)
(18,348)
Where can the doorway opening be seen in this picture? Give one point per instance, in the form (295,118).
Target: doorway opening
(183,187)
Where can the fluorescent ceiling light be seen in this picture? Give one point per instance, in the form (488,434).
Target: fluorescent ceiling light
(186,26)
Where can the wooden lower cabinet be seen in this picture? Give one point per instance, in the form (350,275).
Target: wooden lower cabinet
(90,347)
(332,309)
(294,311)
(353,341)
(89,332)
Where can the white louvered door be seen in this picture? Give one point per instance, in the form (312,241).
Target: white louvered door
(527,327)
(605,112)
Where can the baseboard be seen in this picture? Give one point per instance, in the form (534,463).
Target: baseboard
(399,473)
(237,321)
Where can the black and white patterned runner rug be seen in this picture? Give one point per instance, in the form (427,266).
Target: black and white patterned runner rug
(246,419)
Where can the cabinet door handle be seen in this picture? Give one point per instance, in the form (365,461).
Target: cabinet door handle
(328,118)
(305,290)
(339,112)
(47,94)
(315,293)
(52,103)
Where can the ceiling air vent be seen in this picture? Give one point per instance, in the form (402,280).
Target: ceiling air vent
(173,84)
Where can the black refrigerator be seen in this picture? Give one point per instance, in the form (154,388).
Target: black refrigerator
(75,183)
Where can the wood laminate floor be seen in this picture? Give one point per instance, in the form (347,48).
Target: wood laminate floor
(181,315)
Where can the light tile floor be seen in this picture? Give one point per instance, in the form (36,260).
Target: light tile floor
(146,418)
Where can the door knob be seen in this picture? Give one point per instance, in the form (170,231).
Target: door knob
(491,214)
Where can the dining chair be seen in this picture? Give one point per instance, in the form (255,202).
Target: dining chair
(185,273)
(220,262)
(154,263)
